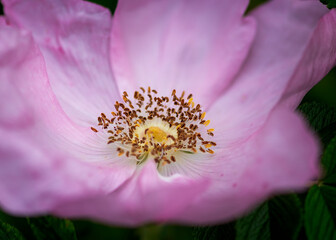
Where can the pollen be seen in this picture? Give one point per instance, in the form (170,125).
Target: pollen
(148,125)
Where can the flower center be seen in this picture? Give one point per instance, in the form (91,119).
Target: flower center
(157,134)
(161,127)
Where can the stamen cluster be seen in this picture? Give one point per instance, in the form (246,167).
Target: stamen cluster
(158,126)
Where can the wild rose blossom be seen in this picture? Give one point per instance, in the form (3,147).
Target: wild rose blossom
(97,119)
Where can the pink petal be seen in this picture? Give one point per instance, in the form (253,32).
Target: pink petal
(285,28)
(317,60)
(74,38)
(36,178)
(167,45)
(147,197)
(281,157)
(37,172)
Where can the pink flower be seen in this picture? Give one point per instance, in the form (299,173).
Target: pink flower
(64,62)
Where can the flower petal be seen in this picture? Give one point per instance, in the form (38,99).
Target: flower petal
(285,28)
(168,45)
(37,172)
(74,39)
(35,179)
(317,60)
(282,156)
(147,197)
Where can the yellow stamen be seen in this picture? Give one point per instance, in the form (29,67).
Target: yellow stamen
(211,130)
(210,151)
(207,122)
(203,115)
(208,145)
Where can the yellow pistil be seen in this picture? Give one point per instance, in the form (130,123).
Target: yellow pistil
(158,135)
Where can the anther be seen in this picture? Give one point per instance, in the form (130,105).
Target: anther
(93,129)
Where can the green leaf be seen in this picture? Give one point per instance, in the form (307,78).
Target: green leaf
(330,3)
(110,4)
(318,115)
(322,118)
(279,218)
(255,226)
(254,4)
(286,216)
(329,163)
(9,232)
(226,232)
(52,228)
(327,133)
(320,215)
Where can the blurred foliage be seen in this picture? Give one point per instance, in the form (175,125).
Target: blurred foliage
(324,91)
(254,3)
(225,231)
(9,232)
(320,205)
(330,3)
(110,4)
(320,209)
(52,228)
(321,118)
(281,217)
(318,115)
